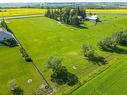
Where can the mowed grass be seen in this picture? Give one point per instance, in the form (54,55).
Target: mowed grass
(111,82)
(21,11)
(43,37)
(13,67)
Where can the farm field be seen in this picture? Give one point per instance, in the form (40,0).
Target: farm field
(111,82)
(31,11)
(43,37)
(20,12)
(107,10)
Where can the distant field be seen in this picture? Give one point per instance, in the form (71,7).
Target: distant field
(30,11)
(107,10)
(43,37)
(18,12)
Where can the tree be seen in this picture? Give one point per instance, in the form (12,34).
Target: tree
(75,21)
(48,13)
(81,12)
(121,37)
(88,50)
(67,15)
(108,43)
(3,23)
(54,63)
(60,73)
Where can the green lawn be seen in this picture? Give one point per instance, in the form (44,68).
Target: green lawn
(13,67)
(43,37)
(111,82)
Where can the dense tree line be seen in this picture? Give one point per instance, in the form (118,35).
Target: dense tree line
(112,42)
(67,15)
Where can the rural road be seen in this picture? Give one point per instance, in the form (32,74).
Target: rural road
(26,16)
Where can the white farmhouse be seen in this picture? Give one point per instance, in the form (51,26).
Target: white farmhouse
(5,36)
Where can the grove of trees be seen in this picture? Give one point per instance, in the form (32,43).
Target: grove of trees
(113,42)
(67,15)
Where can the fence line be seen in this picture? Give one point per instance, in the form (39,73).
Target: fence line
(32,62)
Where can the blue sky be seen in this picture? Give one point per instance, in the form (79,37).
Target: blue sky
(8,1)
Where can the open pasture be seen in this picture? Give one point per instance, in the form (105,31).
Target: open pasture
(43,37)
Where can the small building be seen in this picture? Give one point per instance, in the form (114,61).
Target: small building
(7,38)
(92,18)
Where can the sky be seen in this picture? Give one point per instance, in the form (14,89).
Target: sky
(9,1)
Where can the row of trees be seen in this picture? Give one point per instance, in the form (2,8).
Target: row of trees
(108,44)
(111,43)
(67,15)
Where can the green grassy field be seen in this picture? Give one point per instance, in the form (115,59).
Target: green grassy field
(43,37)
(13,67)
(111,82)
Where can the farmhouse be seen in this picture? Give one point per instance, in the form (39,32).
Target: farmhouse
(6,38)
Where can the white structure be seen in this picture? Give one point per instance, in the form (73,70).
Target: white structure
(5,35)
(93,17)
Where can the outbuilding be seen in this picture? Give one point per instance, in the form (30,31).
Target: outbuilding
(92,17)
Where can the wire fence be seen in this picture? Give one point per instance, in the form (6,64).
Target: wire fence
(25,55)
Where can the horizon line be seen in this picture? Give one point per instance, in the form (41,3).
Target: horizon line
(71,2)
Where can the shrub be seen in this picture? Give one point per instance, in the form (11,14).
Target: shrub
(15,89)
(25,55)
(108,43)
(121,37)
(28,59)
(88,50)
